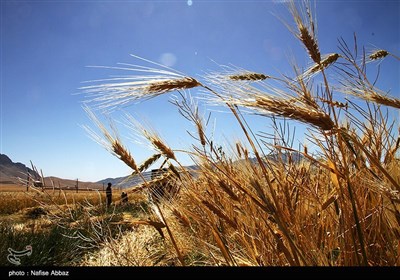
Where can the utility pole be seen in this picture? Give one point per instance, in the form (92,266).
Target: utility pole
(77,185)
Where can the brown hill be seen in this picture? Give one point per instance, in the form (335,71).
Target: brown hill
(70,184)
(10,171)
(11,174)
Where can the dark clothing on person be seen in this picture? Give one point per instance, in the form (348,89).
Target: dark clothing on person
(124,197)
(109,194)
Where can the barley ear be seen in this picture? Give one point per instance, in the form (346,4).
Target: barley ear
(250,76)
(171,85)
(333,174)
(148,162)
(306,32)
(379,54)
(124,155)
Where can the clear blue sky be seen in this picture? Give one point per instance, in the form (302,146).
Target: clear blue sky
(46,46)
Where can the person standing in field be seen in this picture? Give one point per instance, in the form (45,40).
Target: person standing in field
(109,194)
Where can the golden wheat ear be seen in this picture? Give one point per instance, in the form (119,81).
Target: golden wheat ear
(249,76)
(379,54)
(373,95)
(150,135)
(305,29)
(145,83)
(325,63)
(284,108)
(158,87)
(124,155)
(162,147)
(148,162)
(110,142)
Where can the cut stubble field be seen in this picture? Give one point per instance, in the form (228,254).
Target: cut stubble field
(59,226)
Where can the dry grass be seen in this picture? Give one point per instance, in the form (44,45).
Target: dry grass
(16,200)
(12,187)
(68,232)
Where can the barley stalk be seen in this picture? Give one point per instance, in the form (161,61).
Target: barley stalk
(178,252)
(221,245)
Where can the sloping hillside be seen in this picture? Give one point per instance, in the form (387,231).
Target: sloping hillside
(10,171)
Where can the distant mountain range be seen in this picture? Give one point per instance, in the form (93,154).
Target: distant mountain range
(70,184)
(10,171)
(130,181)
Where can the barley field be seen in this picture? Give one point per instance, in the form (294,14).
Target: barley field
(257,202)
(59,225)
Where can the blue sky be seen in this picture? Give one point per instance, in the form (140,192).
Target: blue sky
(46,46)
